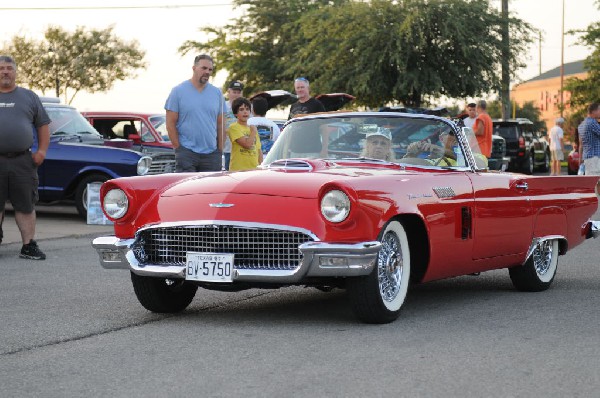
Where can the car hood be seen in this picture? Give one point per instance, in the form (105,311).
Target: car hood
(279,181)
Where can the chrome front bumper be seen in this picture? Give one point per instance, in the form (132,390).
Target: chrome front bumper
(318,260)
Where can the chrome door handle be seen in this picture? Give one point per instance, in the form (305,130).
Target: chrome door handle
(522,185)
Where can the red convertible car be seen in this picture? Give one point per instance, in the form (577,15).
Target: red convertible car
(365,201)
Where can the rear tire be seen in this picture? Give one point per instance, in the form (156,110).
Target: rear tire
(379,296)
(163,295)
(539,270)
(546,165)
(528,166)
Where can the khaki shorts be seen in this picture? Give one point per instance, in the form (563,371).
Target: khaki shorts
(19,182)
(557,154)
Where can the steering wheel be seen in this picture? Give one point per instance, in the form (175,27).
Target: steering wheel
(446,159)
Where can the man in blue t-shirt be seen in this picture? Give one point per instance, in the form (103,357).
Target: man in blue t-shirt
(195,120)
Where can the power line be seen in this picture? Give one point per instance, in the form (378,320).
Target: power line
(222,4)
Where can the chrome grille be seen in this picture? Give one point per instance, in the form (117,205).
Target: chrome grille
(162,163)
(254,248)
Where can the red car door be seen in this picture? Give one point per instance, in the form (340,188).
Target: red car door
(502,216)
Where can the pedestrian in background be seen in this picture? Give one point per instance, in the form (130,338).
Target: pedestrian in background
(195,120)
(469,121)
(556,146)
(234,91)
(483,128)
(305,104)
(21,113)
(246,151)
(589,135)
(260,106)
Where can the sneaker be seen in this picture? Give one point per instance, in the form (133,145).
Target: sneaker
(31,251)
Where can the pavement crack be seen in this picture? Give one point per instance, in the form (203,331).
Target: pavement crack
(159,318)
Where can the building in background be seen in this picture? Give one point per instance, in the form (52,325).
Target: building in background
(544,91)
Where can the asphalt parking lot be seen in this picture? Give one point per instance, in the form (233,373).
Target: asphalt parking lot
(53,222)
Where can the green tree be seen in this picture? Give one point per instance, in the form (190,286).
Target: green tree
(257,47)
(586,91)
(408,51)
(528,111)
(67,63)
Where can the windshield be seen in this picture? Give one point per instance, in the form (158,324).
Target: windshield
(397,139)
(160,125)
(68,121)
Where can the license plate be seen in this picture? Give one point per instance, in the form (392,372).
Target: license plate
(209,267)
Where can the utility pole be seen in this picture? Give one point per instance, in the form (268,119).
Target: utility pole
(505,84)
(562,59)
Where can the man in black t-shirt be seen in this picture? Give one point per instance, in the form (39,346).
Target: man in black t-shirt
(306,103)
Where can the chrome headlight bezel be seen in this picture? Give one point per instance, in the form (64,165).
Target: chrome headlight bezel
(143,165)
(335,206)
(115,203)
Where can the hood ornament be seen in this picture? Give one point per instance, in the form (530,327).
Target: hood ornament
(221,205)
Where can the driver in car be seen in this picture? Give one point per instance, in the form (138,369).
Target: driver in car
(449,154)
(378,145)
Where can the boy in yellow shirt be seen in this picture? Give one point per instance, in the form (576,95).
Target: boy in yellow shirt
(246,151)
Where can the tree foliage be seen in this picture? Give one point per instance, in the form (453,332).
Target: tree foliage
(528,111)
(407,51)
(89,60)
(586,91)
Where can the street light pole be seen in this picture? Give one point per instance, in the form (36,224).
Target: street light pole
(505,81)
(562,59)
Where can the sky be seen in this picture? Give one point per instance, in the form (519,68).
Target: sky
(161,26)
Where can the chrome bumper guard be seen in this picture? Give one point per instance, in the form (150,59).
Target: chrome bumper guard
(594,229)
(319,260)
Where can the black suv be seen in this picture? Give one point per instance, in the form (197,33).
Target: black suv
(527,149)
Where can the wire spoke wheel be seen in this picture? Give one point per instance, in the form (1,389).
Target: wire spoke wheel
(540,268)
(379,296)
(389,267)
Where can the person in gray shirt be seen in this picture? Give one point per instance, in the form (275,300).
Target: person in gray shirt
(21,113)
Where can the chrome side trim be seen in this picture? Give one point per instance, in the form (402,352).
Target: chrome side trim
(536,241)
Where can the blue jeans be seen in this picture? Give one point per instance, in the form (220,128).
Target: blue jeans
(187,160)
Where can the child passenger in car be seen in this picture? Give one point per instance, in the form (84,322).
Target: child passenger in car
(246,150)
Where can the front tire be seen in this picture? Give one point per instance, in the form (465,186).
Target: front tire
(81,192)
(379,296)
(539,270)
(163,295)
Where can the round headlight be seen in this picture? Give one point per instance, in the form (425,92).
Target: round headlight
(115,203)
(335,206)
(143,165)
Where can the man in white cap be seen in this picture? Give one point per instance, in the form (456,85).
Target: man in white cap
(556,146)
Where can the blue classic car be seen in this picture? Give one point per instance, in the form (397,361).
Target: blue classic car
(77,156)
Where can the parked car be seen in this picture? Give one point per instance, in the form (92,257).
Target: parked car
(573,160)
(147,131)
(77,155)
(346,220)
(527,149)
